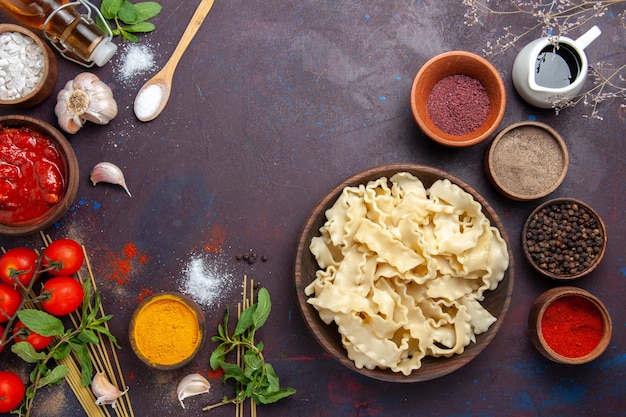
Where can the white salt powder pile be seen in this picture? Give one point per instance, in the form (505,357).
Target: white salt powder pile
(206,280)
(21,65)
(148,101)
(137,59)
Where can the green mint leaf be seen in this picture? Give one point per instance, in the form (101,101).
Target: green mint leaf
(273,397)
(88,336)
(217,357)
(41,322)
(252,363)
(272,378)
(146,10)
(246,320)
(84,360)
(27,352)
(127,13)
(54,377)
(141,27)
(61,351)
(264,306)
(110,8)
(233,371)
(131,37)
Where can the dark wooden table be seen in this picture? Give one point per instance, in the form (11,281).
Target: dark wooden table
(273,104)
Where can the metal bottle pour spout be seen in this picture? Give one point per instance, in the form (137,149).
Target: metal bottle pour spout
(101,53)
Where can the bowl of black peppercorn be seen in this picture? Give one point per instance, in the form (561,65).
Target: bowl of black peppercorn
(564,239)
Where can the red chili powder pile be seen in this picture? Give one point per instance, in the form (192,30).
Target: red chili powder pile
(216,240)
(458,104)
(572,326)
(123,265)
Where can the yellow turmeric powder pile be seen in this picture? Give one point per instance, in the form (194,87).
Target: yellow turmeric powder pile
(166,330)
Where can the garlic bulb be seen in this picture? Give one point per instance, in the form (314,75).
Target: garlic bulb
(105,392)
(84,98)
(191,385)
(108,172)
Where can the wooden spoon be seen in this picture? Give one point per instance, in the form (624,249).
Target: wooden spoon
(155,93)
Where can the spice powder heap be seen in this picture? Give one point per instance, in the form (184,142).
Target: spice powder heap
(458,104)
(166,331)
(572,326)
(527,161)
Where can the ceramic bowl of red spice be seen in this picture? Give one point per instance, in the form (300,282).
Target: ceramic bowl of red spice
(39,177)
(569,325)
(458,98)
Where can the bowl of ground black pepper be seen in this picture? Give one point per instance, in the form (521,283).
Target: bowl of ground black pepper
(564,239)
(527,161)
(458,98)
(28,68)
(569,325)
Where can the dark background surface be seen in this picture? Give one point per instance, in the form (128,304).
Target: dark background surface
(273,104)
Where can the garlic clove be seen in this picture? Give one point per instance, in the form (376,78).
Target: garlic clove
(108,172)
(104,391)
(193,384)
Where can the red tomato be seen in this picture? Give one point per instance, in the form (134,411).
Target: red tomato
(18,263)
(12,391)
(10,300)
(65,256)
(38,341)
(66,295)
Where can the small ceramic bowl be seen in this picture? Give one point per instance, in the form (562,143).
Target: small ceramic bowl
(71,177)
(465,64)
(527,161)
(48,79)
(569,325)
(573,246)
(167,330)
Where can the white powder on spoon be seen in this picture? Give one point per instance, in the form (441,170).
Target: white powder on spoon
(148,101)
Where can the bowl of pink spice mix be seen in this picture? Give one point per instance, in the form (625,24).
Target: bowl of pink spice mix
(458,98)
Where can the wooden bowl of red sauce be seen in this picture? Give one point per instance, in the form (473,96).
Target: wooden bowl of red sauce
(569,325)
(38,175)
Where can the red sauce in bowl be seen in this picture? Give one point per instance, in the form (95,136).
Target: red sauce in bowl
(32,175)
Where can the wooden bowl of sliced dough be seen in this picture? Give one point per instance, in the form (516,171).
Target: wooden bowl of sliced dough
(496,302)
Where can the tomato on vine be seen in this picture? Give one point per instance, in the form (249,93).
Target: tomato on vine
(12,391)
(10,301)
(18,263)
(65,295)
(63,257)
(37,341)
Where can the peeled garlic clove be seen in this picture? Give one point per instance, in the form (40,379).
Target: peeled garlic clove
(104,391)
(108,172)
(191,385)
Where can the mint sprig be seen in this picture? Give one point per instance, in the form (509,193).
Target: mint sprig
(126,18)
(255,378)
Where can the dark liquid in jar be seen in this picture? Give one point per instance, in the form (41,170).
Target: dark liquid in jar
(557,68)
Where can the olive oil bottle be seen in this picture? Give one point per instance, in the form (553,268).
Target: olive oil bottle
(76,35)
